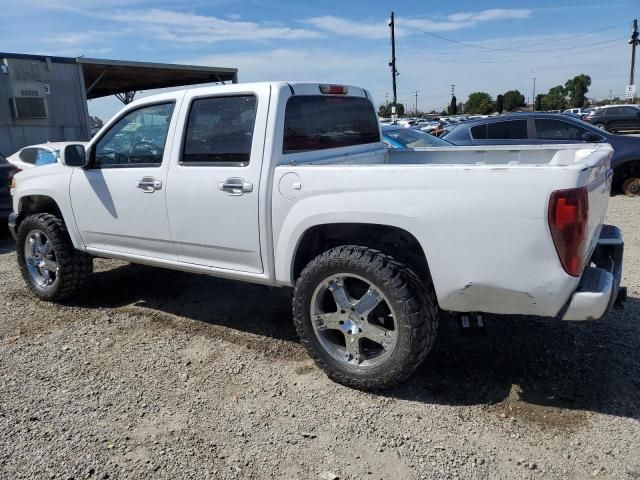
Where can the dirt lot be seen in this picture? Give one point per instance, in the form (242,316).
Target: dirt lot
(158,374)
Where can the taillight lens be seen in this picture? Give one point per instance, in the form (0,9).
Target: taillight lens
(568,217)
(12,178)
(334,89)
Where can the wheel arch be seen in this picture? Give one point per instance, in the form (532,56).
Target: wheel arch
(391,240)
(32,203)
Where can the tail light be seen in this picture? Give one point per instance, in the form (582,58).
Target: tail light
(568,217)
(334,89)
(12,179)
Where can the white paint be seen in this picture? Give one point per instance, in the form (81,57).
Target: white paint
(479,213)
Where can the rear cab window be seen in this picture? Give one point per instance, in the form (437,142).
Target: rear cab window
(314,122)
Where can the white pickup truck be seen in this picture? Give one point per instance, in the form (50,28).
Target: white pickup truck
(289,185)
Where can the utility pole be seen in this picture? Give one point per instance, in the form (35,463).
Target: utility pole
(610,93)
(534,94)
(453,90)
(386,99)
(634,42)
(392,63)
(416,94)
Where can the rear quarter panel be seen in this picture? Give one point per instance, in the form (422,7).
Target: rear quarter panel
(484,229)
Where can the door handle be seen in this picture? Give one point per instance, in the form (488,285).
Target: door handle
(149,184)
(235,186)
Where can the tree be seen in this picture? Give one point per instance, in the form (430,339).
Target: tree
(577,88)
(460,107)
(479,102)
(556,99)
(384,111)
(96,122)
(512,100)
(499,103)
(453,106)
(399,109)
(540,102)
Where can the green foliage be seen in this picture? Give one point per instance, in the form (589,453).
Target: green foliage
(479,103)
(499,103)
(513,100)
(576,88)
(96,122)
(540,102)
(385,110)
(453,106)
(556,99)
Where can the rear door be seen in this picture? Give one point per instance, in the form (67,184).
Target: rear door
(212,192)
(508,132)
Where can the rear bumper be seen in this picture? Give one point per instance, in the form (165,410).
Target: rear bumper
(599,286)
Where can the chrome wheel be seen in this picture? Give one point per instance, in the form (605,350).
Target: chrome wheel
(353,320)
(40,259)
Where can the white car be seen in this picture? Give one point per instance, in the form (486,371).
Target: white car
(38,155)
(290,185)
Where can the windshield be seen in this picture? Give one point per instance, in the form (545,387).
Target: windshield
(413,138)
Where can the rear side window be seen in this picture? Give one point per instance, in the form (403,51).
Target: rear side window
(318,123)
(220,131)
(516,129)
(28,155)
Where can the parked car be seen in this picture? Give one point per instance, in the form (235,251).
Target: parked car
(289,184)
(38,155)
(615,118)
(401,137)
(7,171)
(543,128)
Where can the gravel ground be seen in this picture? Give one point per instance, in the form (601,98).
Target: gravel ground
(159,374)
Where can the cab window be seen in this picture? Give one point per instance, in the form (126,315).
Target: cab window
(136,140)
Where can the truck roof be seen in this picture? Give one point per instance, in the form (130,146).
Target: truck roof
(296,88)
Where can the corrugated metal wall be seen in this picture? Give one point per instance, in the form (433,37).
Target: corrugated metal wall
(61,86)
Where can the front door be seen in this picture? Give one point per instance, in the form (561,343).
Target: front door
(213,194)
(119,201)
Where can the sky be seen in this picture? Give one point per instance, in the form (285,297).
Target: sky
(490,46)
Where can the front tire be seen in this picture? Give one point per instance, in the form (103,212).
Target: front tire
(601,126)
(365,319)
(52,268)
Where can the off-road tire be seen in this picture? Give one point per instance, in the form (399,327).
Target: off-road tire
(631,187)
(74,267)
(413,300)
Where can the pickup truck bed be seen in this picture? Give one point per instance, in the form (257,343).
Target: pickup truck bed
(480,211)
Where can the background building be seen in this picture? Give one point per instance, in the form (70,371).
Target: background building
(44,98)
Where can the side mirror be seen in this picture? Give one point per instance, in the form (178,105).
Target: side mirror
(74,156)
(591,137)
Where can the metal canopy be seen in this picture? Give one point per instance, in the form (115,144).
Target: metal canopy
(109,77)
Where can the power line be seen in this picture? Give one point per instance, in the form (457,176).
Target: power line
(468,62)
(513,50)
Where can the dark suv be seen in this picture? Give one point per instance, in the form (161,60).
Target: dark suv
(543,128)
(615,118)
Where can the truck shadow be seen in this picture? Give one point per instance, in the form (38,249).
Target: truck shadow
(519,363)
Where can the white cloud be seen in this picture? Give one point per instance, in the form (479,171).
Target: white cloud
(343,26)
(490,15)
(378,30)
(191,28)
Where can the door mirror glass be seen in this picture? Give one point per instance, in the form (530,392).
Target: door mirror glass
(74,156)
(591,137)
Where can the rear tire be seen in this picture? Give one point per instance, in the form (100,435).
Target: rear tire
(392,335)
(631,187)
(52,268)
(601,126)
